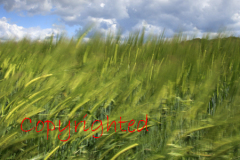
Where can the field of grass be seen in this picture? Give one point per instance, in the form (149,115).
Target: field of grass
(189,92)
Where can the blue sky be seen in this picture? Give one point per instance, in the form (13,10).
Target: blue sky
(41,21)
(40,18)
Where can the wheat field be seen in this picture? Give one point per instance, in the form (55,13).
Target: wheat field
(186,94)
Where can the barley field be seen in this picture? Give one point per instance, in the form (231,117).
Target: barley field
(179,100)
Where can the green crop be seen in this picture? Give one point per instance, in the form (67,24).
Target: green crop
(189,91)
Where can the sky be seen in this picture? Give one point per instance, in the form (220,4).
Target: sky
(38,19)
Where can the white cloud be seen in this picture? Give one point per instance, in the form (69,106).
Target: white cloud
(86,39)
(71,18)
(109,21)
(102,5)
(9,31)
(104,25)
(205,15)
(32,7)
(236,17)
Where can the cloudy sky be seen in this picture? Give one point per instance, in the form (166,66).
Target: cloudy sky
(39,18)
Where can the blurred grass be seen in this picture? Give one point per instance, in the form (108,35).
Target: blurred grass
(188,89)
